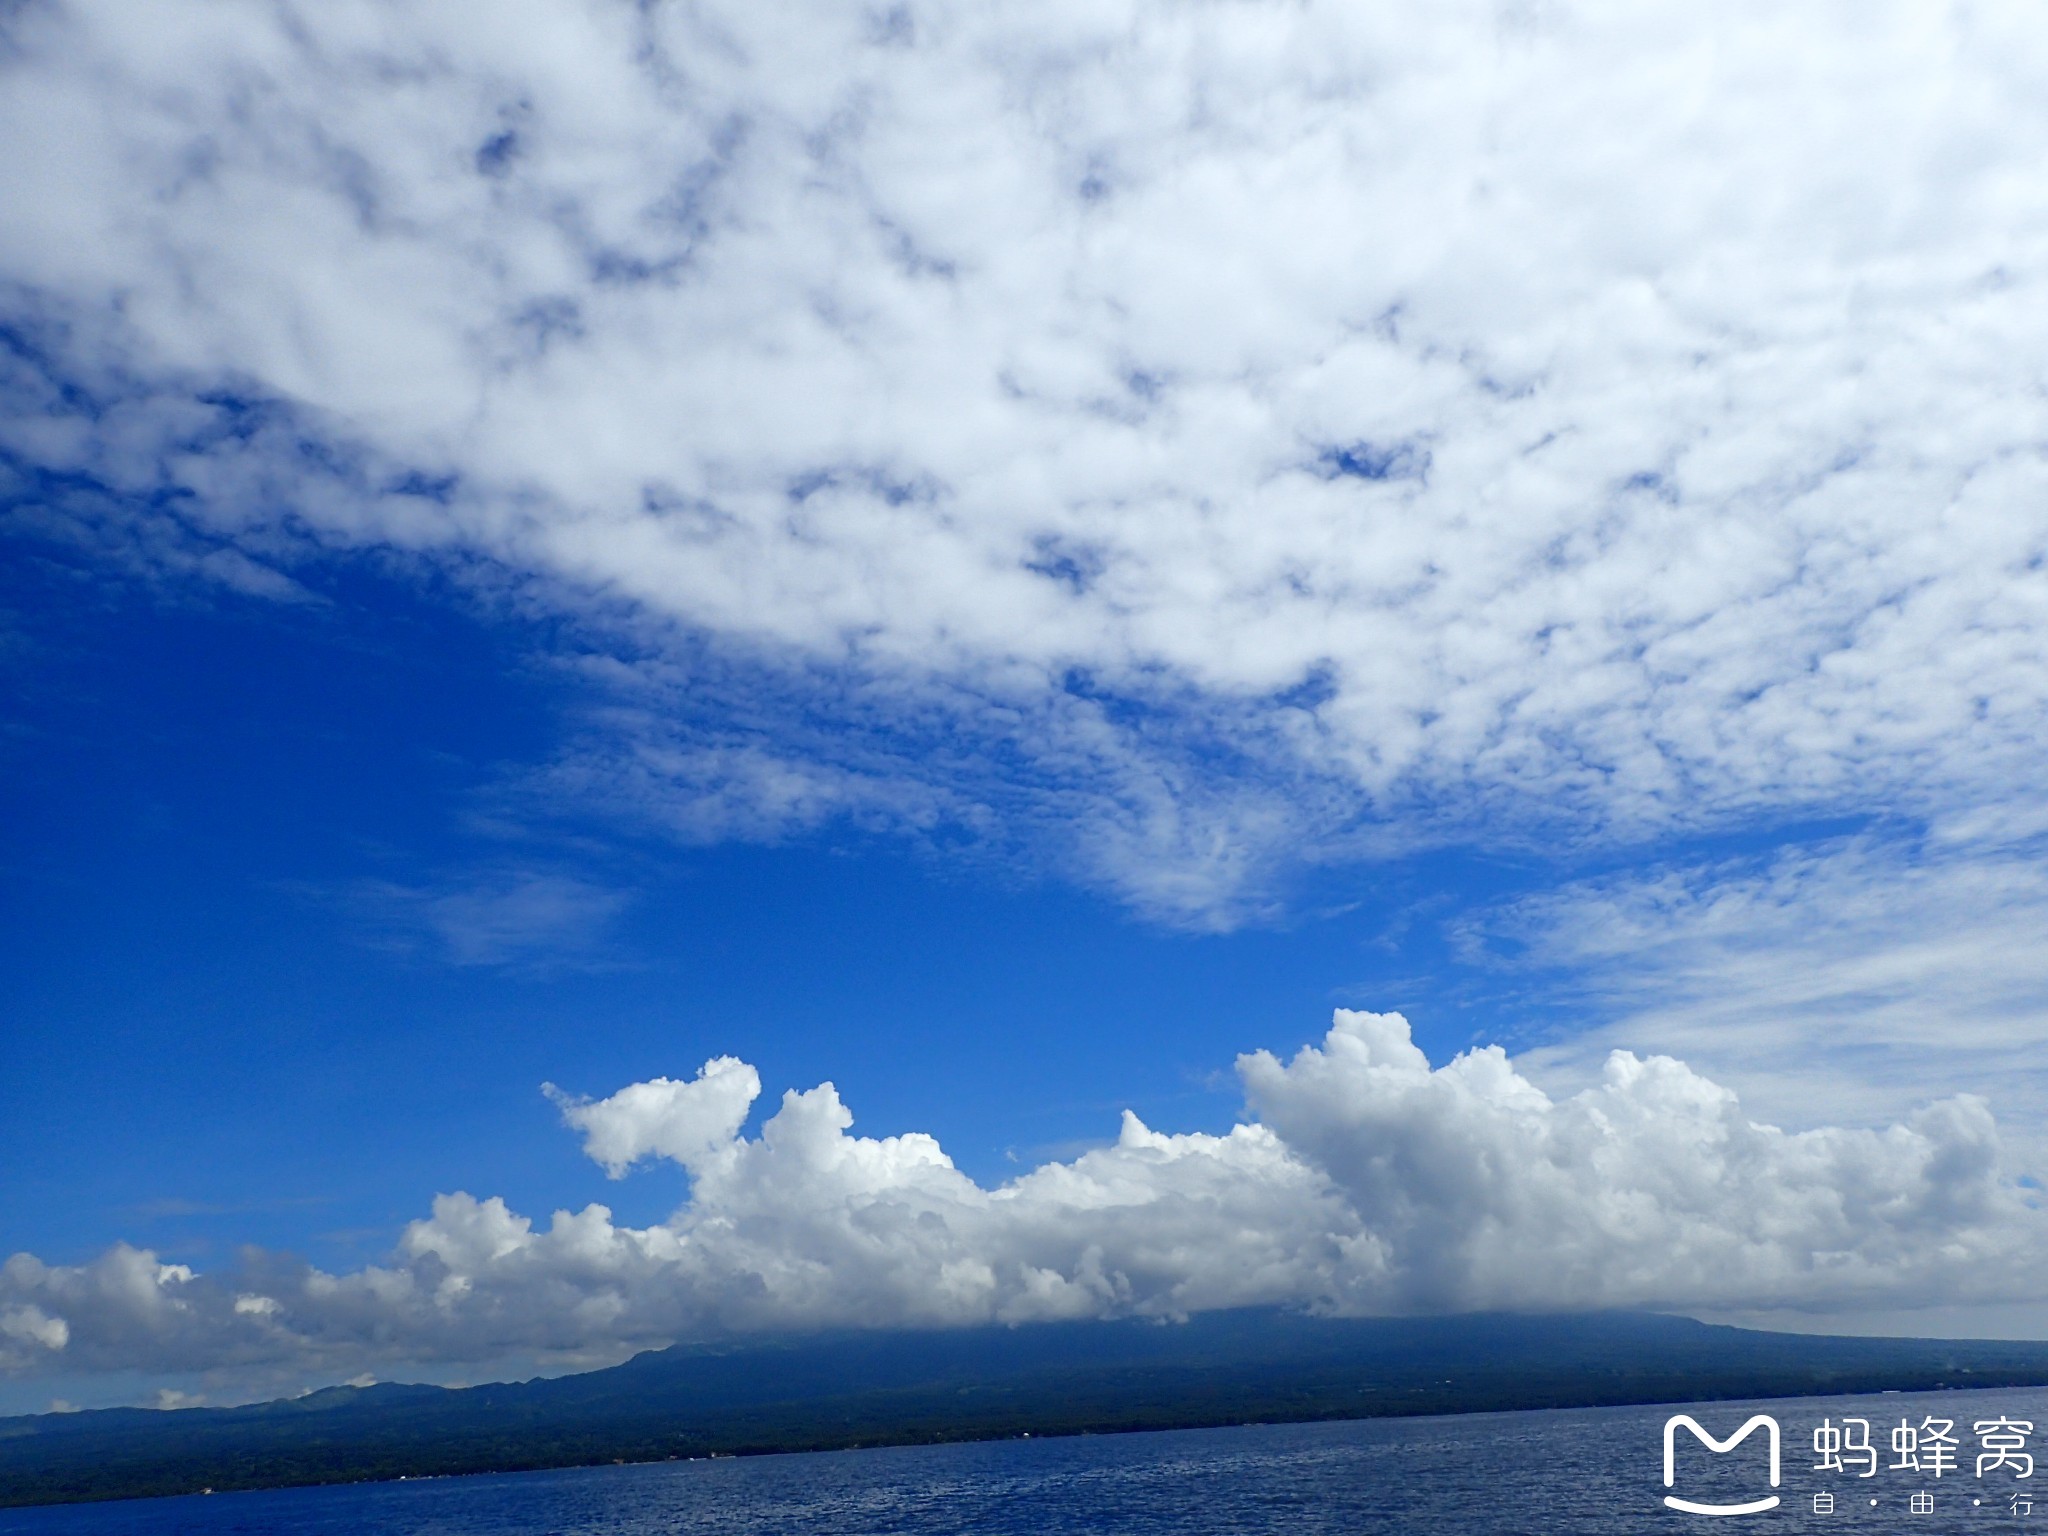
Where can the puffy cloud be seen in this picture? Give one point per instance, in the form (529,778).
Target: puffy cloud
(1369,1182)
(684,1122)
(1175,433)
(1649,1188)
(33,1326)
(139,1306)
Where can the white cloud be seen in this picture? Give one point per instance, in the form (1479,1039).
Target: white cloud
(1368,1183)
(1200,429)
(1649,1188)
(1838,979)
(685,1122)
(33,1328)
(503,916)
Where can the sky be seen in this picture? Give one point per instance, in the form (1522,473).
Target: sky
(680,670)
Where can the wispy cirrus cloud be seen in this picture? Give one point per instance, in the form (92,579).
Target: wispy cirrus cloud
(490,916)
(1837,978)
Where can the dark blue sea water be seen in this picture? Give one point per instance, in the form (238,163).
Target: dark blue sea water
(1591,1471)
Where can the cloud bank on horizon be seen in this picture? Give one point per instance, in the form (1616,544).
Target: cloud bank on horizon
(1189,441)
(1362,1182)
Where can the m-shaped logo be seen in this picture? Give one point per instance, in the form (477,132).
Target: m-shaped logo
(1755,1506)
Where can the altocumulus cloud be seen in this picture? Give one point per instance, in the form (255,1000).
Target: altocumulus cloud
(1362,1181)
(1195,439)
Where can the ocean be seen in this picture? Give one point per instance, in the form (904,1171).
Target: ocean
(1939,1463)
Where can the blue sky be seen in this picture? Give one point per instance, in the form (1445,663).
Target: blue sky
(1376,659)
(263,908)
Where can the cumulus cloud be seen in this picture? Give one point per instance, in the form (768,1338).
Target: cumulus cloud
(1364,1181)
(29,1327)
(1214,427)
(686,1122)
